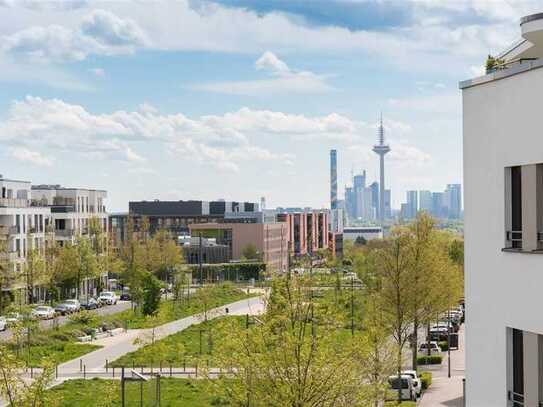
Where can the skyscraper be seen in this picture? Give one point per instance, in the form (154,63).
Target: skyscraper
(438,208)
(412,204)
(453,195)
(381,149)
(333,179)
(388,207)
(425,201)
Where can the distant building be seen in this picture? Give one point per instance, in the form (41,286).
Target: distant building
(425,201)
(308,230)
(333,179)
(388,205)
(210,251)
(412,204)
(270,240)
(453,195)
(336,220)
(368,233)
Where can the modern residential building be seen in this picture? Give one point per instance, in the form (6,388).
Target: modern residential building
(208,250)
(270,240)
(23,227)
(71,209)
(503,215)
(367,232)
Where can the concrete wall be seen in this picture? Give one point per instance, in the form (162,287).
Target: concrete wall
(502,127)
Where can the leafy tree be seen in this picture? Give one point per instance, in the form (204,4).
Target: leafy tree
(250,252)
(7,274)
(17,390)
(151,295)
(295,355)
(34,271)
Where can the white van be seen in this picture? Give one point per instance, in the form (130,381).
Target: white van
(408,391)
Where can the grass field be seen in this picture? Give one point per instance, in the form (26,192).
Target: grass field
(61,344)
(194,342)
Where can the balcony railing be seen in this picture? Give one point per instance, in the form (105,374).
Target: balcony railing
(64,232)
(8,256)
(514,237)
(14,203)
(516,399)
(8,230)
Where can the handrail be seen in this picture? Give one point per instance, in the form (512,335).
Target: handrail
(516,398)
(513,235)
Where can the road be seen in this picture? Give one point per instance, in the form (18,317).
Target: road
(48,324)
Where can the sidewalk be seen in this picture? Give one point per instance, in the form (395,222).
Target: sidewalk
(445,391)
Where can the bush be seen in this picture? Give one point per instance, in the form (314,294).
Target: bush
(429,360)
(230,271)
(84,317)
(444,345)
(425,380)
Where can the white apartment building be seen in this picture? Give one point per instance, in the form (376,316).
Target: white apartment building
(503,170)
(72,209)
(22,224)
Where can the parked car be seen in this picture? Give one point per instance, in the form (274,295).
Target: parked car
(405,383)
(434,348)
(91,303)
(74,305)
(63,309)
(108,297)
(12,318)
(439,333)
(43,312)
(417,383)
(3,324)
(125,296)
(455,327)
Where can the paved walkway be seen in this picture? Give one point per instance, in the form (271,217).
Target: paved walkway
(116,346)
(445,391)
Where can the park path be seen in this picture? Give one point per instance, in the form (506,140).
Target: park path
(116,346)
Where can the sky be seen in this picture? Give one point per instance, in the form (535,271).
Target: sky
(238,99)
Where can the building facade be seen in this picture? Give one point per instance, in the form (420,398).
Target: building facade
(503,216)
(72,209)
(270,240)
(308,230)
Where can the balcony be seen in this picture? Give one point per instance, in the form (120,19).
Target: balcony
(64,232)
(514,239)
(516,399)
(8,230)
(13,203)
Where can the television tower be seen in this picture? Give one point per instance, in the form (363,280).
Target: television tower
(381,149)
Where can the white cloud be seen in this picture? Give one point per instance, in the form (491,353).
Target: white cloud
(32,157)
(444,103)
(100,32)
(283,79)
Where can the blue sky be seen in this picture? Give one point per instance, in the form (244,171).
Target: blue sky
(238,99)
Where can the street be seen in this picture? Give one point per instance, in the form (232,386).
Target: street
(48,324)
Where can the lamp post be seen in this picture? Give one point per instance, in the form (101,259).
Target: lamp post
(449,342)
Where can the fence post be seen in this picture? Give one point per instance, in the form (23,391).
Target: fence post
(122,387)
(464,392)
(158,389)
(113,372)
(80,365)
(196,370)
(184,364)
(160,365)
(170,369)
(84,371)
(56,371)
(107,365)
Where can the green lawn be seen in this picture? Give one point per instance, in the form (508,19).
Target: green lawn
(61,345)
(174,392)
(197,341)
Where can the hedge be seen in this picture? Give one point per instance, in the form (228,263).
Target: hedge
(425,380)
(444,345)
(229,271)
(429,360)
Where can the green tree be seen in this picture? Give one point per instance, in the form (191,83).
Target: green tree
(151,295)
(295,355)
(250,252)
(34,271)
(7,275)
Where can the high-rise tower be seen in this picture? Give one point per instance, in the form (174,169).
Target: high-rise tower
(333,179)
(381,149)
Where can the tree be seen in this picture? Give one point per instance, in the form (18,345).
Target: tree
(151,295)
(17,390)
(295,355)
(360,241)
(250,252)
(65,268)
(34,270)
(394,290)
(7,274)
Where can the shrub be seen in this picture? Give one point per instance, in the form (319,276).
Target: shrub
(425,380)
(444,345)
(429,360)
(84,317)
(151,295)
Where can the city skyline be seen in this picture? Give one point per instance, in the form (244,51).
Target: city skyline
(103,95)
